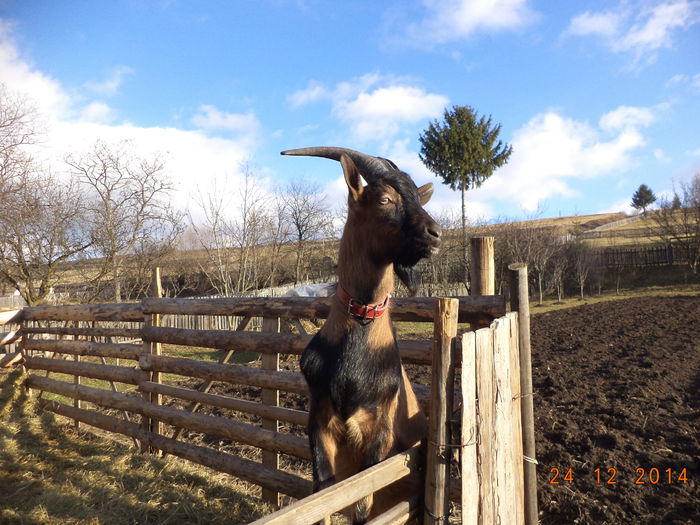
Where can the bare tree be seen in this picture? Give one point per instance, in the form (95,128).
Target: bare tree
(128,210)
(40,219)
(231,235)
(544,248)
(678,221)
(39,214)
(249,229)
(308,216)
(582,263)
(277,233)
(213,235)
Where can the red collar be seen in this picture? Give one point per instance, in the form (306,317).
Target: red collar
(360,310)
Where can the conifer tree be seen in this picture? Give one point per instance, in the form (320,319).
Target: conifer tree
(464,151)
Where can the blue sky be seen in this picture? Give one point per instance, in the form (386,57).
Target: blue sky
(596,97)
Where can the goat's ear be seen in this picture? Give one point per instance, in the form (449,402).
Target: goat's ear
(424,193)
(352,177)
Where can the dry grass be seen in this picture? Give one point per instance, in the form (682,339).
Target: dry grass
(51,474)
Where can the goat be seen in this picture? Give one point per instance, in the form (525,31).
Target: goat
(363,408)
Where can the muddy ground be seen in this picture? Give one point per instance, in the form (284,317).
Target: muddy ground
(618,387)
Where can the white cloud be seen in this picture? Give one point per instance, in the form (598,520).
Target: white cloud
(550,150)
(110,85)
(381,113)
(447,20)
(637,29)
(626,117)
(18,74)
(375,107)
(210,118)
(312,93)
(97,113)
(193,159)
(692,81)
(602,24)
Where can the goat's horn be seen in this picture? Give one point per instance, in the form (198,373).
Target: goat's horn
(370,167)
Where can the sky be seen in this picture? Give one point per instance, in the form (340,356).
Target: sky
(596,97)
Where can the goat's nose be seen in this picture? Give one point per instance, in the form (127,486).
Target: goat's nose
(434,230)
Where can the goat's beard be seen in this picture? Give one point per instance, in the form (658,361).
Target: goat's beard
(409,277)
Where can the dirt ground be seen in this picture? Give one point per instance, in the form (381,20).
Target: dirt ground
(617,410)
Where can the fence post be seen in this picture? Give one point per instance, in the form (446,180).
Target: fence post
(270,397)
(483,274)
(151,424)
(76,379)
(520,302)
(442,393)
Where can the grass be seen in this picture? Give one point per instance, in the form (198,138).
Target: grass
(52,474)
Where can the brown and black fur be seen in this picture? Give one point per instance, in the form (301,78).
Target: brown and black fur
(363,408)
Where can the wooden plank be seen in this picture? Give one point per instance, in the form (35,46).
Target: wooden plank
(85,348)
(288,415)
(216,426)
(85,312)
(238,374)
(13,316)
(403,512)
(271,398)
(486,405)
(438,453)
(506,499)
(131,333)
(7,338)
(228,339)
(247,470)
(471,309)
(469,429)
(336,497)
(7,360)
(122,374)
(516,425)
(412,351)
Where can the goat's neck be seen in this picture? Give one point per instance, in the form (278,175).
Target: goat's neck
(363,278)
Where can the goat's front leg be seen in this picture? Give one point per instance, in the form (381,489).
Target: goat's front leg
(324,448)
(378,448)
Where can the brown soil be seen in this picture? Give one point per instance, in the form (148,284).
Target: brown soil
(617,387)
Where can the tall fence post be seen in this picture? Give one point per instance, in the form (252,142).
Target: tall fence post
(441,399)
(520,303)
(270,397)
(151,424)
(76,379)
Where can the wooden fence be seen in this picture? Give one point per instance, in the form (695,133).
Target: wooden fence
(641,256)
(84,364)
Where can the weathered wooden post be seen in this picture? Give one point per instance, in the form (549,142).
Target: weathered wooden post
(150,320)
(520,302)
(271,397)
(483,271)
(76,379)
(437,472)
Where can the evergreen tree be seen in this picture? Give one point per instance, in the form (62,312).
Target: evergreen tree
(643,198)
(464,151)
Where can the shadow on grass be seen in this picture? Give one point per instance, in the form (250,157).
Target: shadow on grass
(49,473)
